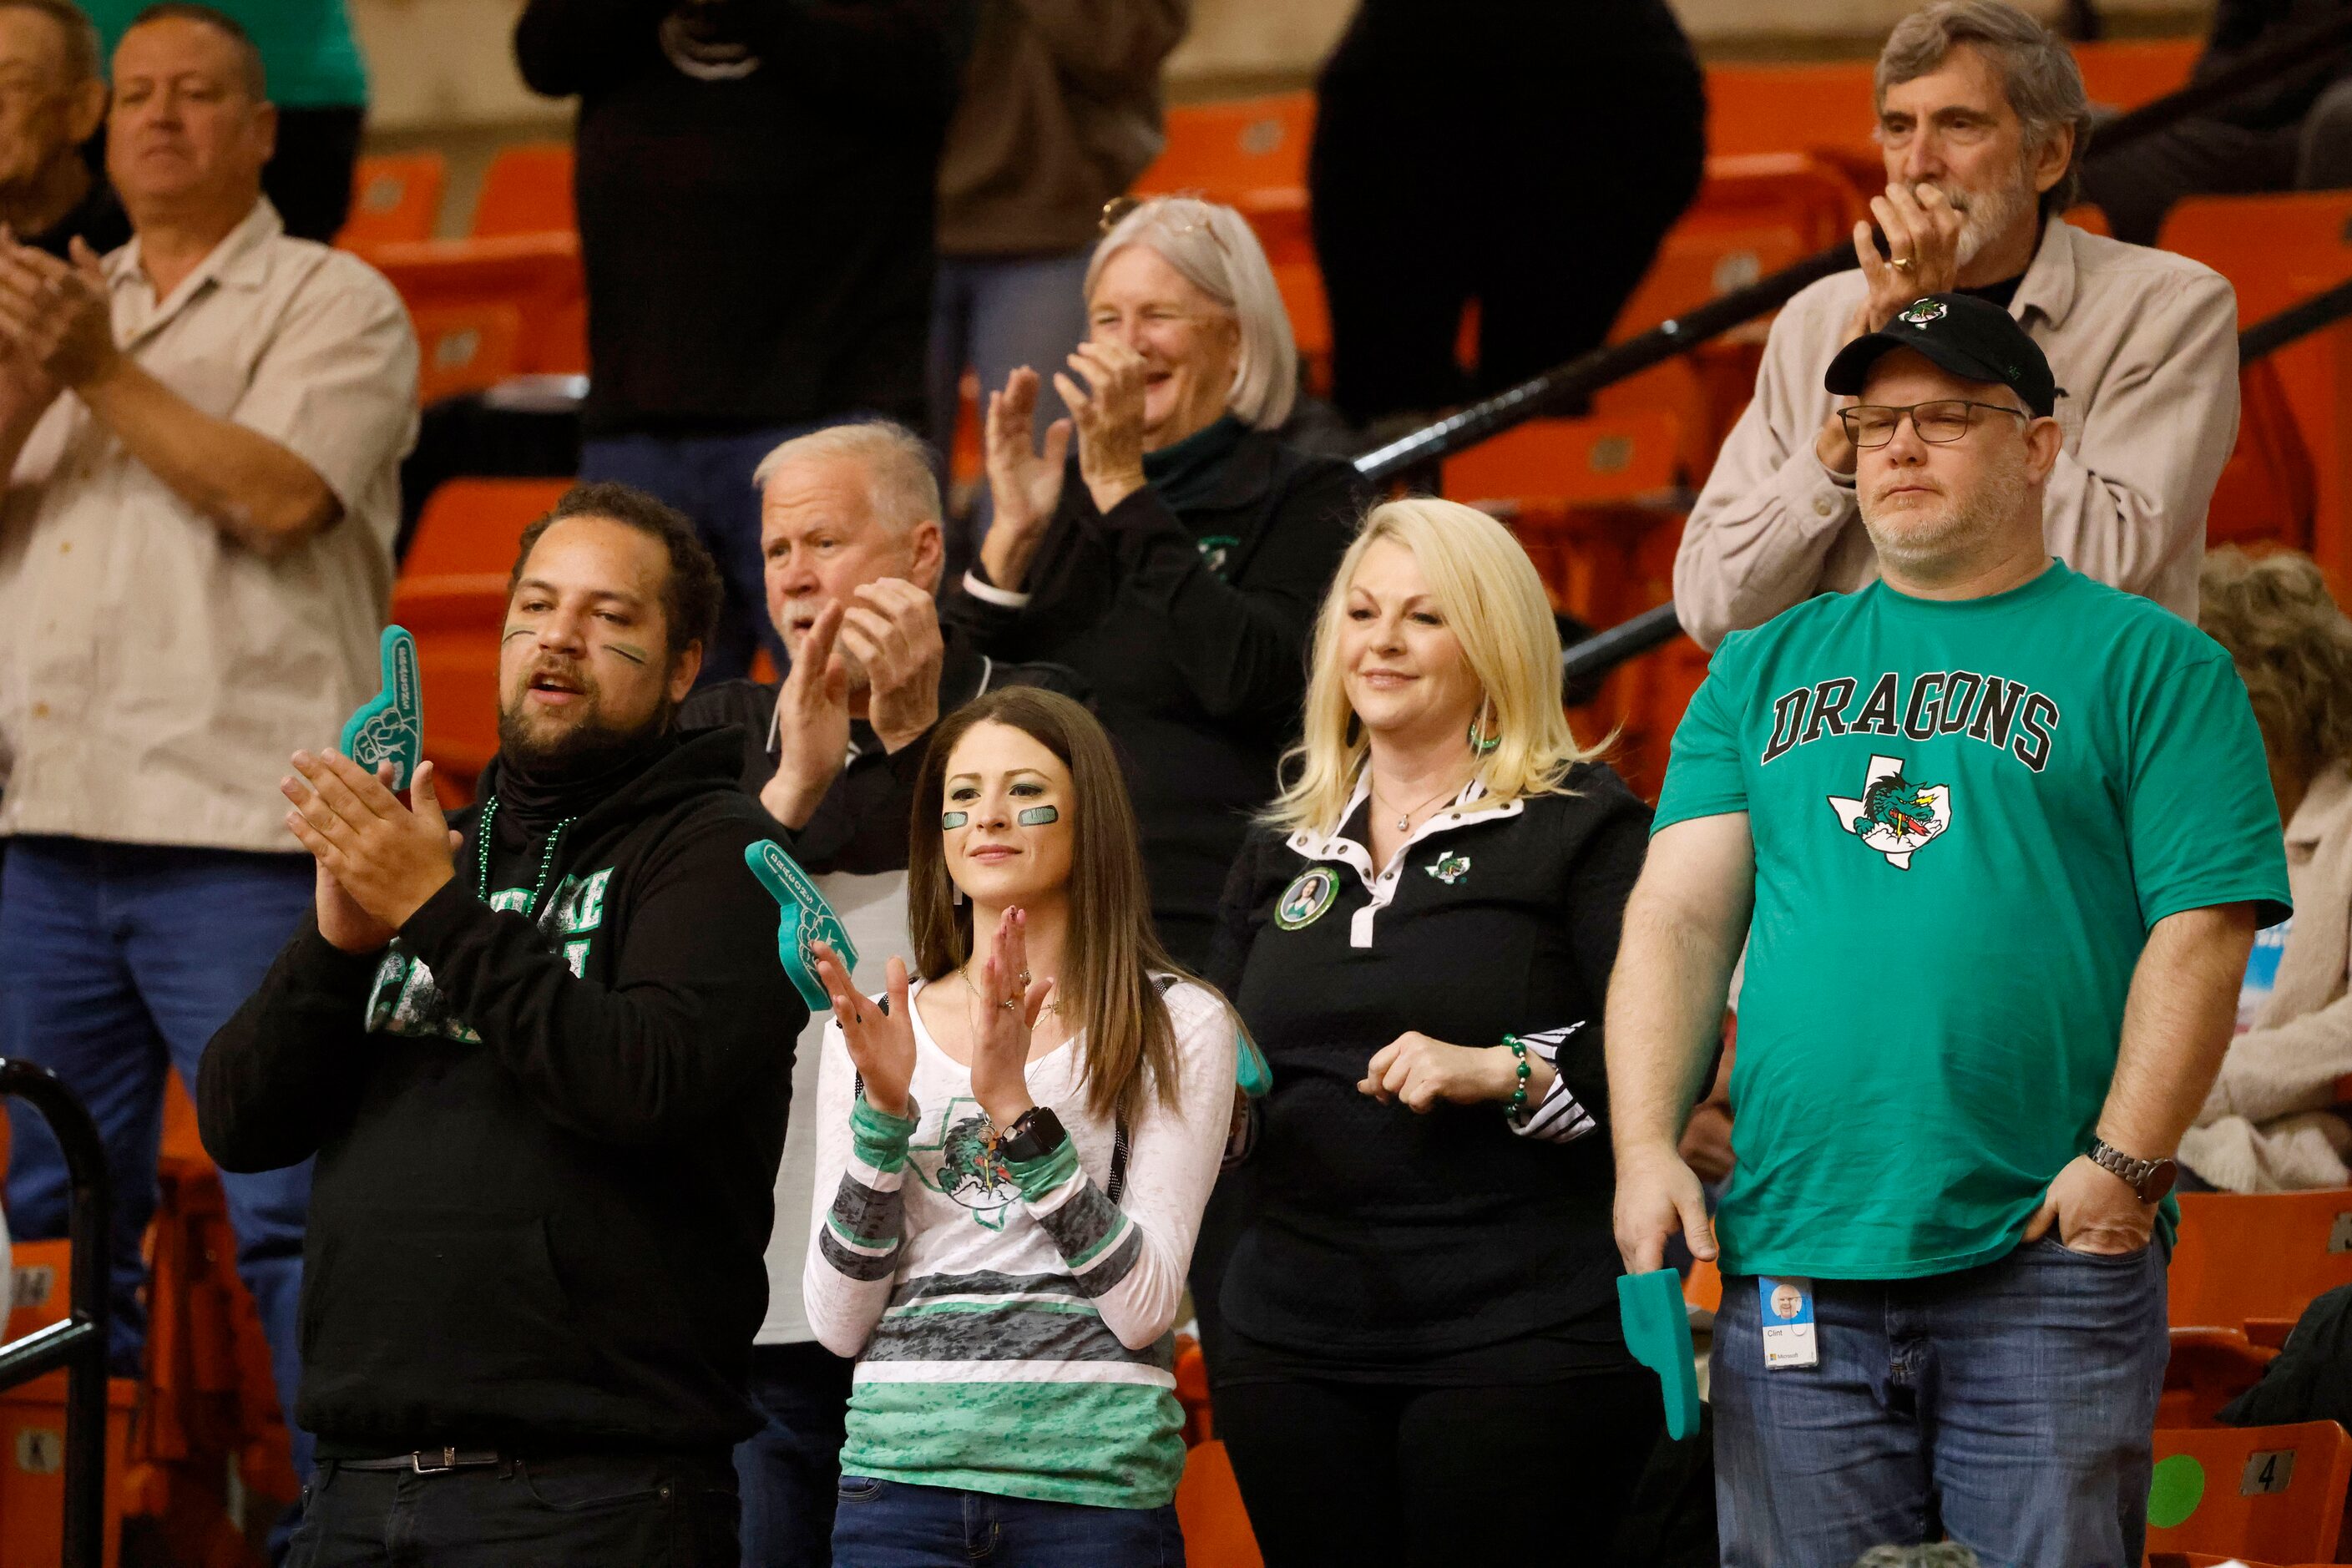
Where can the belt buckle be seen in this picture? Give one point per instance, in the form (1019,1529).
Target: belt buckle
(417,1462)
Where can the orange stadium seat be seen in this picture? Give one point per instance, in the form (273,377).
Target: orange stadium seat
(394,196)
(33,1425)
(527,190)
(2209,1368)
(2277,250)
(1217,1531)
(1249,154)
(537,274)
(2127,72)
(2267,492)
(466,346)
(2269,1492)
(1790,108)
(452,593)
(2244,1256)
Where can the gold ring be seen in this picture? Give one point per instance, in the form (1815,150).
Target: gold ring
(1900,263)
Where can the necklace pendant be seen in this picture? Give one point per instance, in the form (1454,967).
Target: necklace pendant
(1404,823)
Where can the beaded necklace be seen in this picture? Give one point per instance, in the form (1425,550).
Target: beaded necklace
(482,856)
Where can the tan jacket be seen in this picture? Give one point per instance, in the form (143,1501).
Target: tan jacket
(2145,344)
(154,673)
(1060,112)
(2265,1127)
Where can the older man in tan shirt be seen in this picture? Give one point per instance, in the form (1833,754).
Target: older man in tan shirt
(1980,119)
(202,433)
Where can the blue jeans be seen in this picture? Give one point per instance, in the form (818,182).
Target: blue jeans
(117,963)
(995,313)
(2010,1406)
(893,1524)
(708,478)
(789,1472)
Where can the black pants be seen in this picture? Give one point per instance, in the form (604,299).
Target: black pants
(2137,184)
(309,178)
(1336,1474)
(606,1511)
(1440,173)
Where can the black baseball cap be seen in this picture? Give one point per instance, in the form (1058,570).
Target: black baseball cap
(1967,336)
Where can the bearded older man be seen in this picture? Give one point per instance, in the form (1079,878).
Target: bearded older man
(1981,121)
(2000,838)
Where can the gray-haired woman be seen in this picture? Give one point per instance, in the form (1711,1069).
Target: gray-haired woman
(1177,558)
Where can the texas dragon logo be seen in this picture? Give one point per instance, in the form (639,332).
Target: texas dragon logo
(969,1169)
(1894,816)
(1923,311)
(1449,869)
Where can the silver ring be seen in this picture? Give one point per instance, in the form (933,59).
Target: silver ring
(1024,977)
(1010,1002)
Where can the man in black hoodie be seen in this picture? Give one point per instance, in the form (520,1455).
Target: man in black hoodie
(543,1054)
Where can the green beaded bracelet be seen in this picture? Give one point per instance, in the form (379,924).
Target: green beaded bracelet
(1518,1100)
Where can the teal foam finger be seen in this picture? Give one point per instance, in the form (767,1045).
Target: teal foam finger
(806,921)
(390,726)
(1657,1331)
(1251,1073)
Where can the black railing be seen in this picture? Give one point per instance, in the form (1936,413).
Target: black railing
(1568,384)
(78,1344)
(1604,651)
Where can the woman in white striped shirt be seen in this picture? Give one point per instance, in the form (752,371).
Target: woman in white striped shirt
(1013,1160)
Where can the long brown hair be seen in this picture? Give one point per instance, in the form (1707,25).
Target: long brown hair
(1106,986)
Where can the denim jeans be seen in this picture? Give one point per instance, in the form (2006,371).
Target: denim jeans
(789,1470)
(117,963)
(708,478)
(2010,1406)
(893,1524)
(610,1510)
(995,313)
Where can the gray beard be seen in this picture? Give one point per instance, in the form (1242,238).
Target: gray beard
(1986,216)
(1929,549)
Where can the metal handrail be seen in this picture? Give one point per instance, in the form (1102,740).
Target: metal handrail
(78,1344)
(1604,651)
(1567,383)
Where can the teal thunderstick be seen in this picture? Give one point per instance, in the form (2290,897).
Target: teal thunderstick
(390,726)
(806,920)
(1657,1331)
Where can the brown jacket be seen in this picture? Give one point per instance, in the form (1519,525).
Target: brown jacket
(2266,1126)
(2145,345)
(1060,111)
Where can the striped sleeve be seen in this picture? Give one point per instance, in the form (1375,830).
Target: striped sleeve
(1128,1258)
(857,1232)
(1558,1117)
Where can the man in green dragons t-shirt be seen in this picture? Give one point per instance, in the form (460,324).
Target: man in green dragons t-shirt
(1998,838)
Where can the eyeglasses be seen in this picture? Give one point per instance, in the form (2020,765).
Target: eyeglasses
(1116,211)
(1942,422)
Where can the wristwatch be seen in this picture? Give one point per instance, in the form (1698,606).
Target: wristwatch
(1034,1134)
(2151,1179)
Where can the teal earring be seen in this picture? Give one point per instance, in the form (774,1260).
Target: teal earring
(1480,742)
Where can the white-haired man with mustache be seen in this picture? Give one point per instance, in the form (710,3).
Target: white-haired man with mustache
(1982,121)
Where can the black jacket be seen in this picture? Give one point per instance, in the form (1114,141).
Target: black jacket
(1376,1241)
(546,1149)
(861,824)
(1191,626)
(756,183)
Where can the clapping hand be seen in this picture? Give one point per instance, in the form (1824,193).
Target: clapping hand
(881,1045)
(1010,1002)
(55,315)
(811,725)
(1109,416)
(1024,483)
(384,858)
(893,627)
(1923,249)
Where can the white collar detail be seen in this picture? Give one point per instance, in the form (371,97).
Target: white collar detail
(1382,885)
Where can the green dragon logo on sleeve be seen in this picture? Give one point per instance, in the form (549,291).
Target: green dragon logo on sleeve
(1893,815)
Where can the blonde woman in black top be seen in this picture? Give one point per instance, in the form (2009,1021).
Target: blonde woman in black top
(1419,1312)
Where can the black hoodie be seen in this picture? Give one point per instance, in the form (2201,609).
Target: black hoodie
(546,1149)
